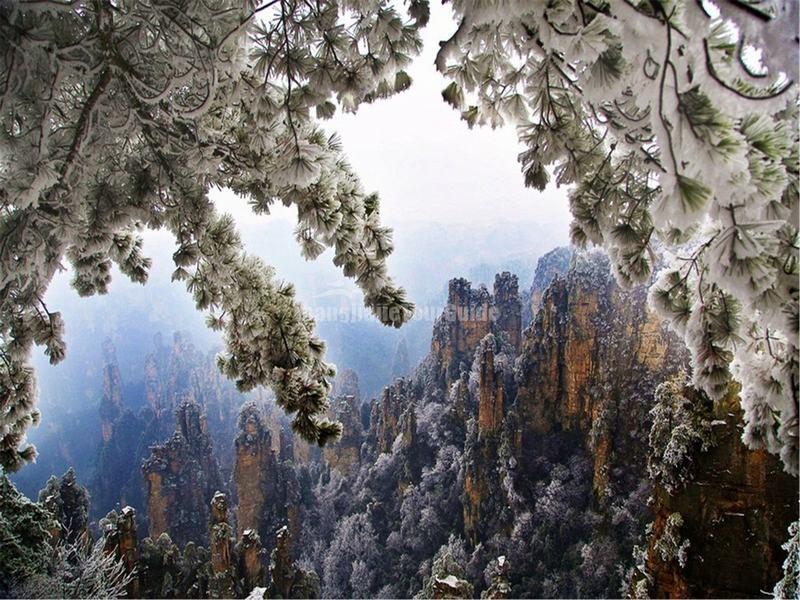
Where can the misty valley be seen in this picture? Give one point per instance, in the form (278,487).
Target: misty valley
(399,299)
(548,444)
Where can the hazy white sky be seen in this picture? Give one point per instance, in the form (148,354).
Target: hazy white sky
(428,165)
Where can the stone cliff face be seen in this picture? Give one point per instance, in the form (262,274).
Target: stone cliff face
(491,391)
(469,316)
(267,490)
(220,535)
(119,538)
(344,454)
(734,514)
(255,471)
(551,265)
(386,413)
(492,365)
(181,477)
(111,406)
(581,380)
(251,566)
(590,363)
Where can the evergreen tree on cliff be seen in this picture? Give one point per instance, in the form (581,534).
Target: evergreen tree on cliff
(675,124)
(119,116)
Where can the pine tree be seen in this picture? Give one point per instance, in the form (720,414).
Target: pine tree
(122,116)
(676,125)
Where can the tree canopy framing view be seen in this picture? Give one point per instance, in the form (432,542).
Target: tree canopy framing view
(675,122)
(616,416)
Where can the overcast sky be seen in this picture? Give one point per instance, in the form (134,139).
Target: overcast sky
(428,165)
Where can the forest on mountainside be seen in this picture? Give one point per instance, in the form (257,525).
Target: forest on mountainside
(619,420)
(531,456)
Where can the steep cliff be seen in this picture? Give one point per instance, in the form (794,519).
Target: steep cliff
(493,366)
(590,363)
(722,511)
(549,266)
(344,453)
(111,406)
(255,473)
(220,535)
(119,538)
(251,564)
(181,477)
(264,477)
(468,317)
(386,413)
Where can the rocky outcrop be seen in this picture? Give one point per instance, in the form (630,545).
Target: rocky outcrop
(549,266)
(346,384)
(267,490)
(491,391)
(386,413)
(469,316)
(507,308)
(344,454)
(734,513)
(120,539)
(482,446)
(154,363)
(400,363)
(451,587)
(590,363)
(286,579)
(223,573)
(250,556)
(68,501)
(181,477)
(255,470)
(111,406)
(499,586)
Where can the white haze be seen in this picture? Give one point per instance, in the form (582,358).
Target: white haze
(454,197)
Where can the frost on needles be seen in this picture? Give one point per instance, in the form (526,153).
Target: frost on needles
(122,116)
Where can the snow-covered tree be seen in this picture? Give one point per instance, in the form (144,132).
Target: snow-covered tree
(681,427)
(788,586)
(675,123)
(119,116)
(351,558)
(78,571)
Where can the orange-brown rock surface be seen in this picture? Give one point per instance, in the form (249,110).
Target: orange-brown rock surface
(735,513)
(469,316)
(490,393)
(593,350)
(255,470)
(267,490)
(119,538)
(251,567)
(181,477)
(481,454)
(344,454)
